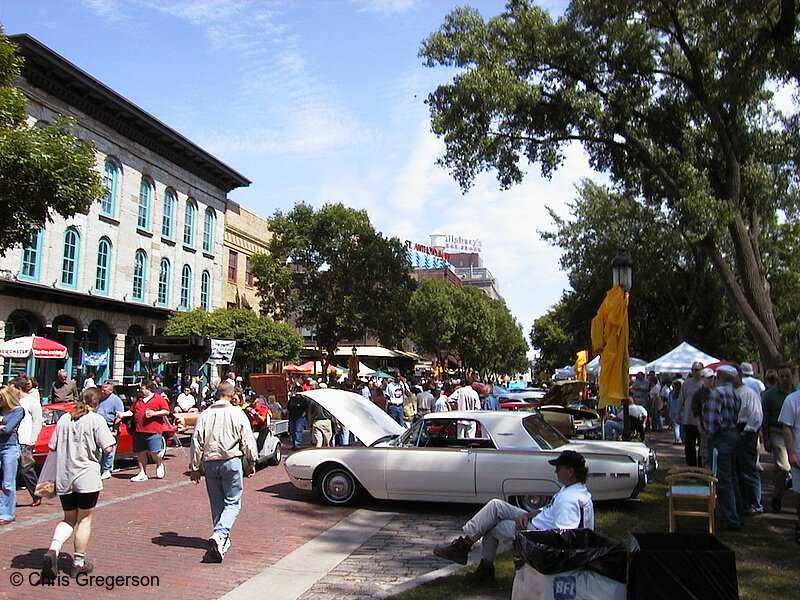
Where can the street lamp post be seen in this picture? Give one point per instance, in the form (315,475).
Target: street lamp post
(622,272)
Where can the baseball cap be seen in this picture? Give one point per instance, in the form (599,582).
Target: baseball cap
(747,369)
(569,458)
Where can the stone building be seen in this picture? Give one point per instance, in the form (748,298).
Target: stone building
(152,245)
(246,234)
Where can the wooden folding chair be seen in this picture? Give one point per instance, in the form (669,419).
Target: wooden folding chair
(690,486)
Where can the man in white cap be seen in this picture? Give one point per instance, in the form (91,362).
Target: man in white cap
(749,379)
(720,415)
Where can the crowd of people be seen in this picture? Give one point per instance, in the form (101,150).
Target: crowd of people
(723,417)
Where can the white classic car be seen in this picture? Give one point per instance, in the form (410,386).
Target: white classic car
(457,456)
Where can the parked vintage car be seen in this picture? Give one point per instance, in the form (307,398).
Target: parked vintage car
(457,456)
(51,413)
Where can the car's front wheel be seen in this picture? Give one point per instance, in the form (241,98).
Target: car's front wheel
(336,485)
(532,501)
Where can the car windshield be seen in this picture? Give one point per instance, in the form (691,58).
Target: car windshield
(545,435)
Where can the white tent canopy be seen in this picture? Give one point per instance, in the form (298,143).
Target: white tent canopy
(634,365)
(680,359)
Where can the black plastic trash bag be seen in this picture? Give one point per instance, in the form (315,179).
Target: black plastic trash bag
(559,550)
(681,566)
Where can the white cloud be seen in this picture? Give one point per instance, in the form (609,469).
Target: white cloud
(386,7)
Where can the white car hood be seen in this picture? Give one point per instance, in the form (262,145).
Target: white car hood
(363,418)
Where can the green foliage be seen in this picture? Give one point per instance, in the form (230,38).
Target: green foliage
(261,339)
(675,295)
(43,170)
(332,271)
(465,323)
(432,318)
(672,99)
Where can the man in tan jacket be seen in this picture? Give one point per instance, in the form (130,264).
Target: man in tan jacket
(222,439)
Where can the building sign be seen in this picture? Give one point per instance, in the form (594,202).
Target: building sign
(456,243)
(428,250)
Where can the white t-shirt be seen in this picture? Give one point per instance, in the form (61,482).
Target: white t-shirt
(790,415)
(395,392)
(441,404)
(636,411)
(77,444)
(31,424)
(566,509)
(185,401)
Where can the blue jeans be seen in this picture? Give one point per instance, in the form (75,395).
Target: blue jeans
(9,457)
(749,477)
(730,501)
(107,460)
(396,412)
(298,427)
(224,487)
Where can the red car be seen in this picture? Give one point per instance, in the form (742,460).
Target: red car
(51,413)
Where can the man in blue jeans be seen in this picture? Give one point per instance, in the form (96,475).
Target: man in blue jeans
(222,439)
(298,415)
(719,418)
(108,408)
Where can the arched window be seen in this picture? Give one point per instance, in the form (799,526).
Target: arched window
(69,260)
(145,199)
(208,231)
(188,223)
(168,216)
(205,291)
(102,273)
(139,274)
(163,282)
(108,202)
(31,256)
(186,287)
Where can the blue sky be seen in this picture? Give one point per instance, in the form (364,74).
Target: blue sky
(315,101)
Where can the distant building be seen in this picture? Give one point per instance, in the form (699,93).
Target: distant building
(154,244)
(246,234)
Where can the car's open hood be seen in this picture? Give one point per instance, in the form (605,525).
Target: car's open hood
(363,418)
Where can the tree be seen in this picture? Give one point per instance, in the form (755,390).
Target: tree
(507,351)
(432,318)
(671,98)
(331,271)
(43,170)
(551,335)
(261,339)
(675,297)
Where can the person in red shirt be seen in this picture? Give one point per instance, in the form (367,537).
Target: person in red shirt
(148,421)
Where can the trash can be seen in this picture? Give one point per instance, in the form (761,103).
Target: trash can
(680,566)
(568,564)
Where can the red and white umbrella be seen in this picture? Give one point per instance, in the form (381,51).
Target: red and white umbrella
(39,347)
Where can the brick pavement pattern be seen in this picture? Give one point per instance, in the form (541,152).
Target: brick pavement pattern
(159,528)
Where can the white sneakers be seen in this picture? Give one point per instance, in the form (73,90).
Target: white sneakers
(140,477)
(106,475)
(161,470)
(218,545)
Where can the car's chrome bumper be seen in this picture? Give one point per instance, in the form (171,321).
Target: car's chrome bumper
(303,484)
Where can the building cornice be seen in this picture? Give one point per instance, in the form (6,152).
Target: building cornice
(57,76)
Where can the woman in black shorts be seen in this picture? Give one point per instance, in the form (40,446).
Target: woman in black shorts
(77,439)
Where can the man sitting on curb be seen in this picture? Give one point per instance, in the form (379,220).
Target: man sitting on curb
(571,508)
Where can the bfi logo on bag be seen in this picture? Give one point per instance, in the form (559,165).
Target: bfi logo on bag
(564,588)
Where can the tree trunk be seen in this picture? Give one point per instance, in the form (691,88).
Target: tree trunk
(751,300)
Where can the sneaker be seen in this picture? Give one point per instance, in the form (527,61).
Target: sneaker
(161,470)
(84,569)
(215,547)
(140,477)
(226,545)
(50,565)
(752,511)
(456,551)
(483,575)
(106,475)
